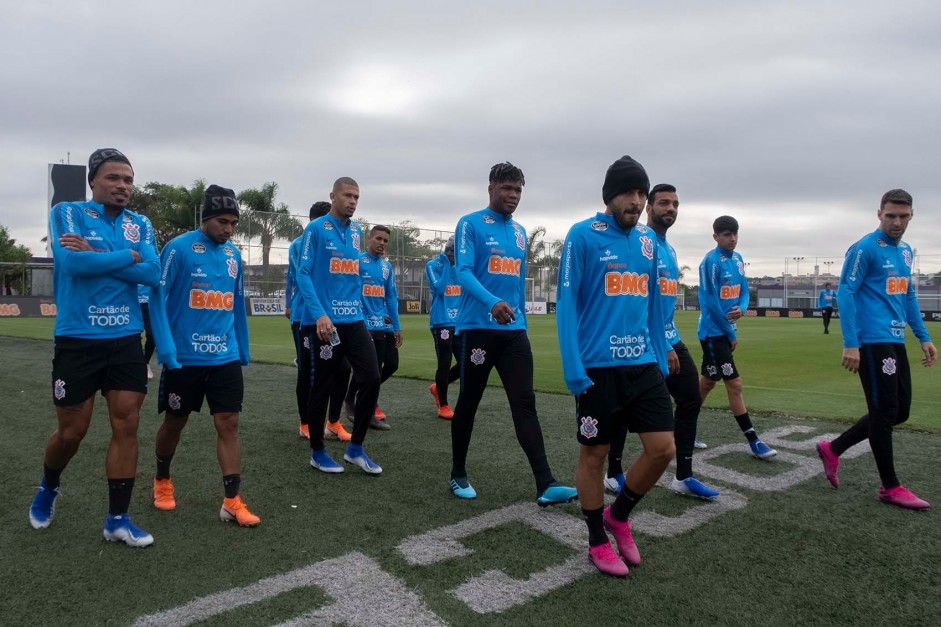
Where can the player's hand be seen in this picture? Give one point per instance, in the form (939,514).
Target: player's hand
(931,354)
(75,243)
(851,359)
(399,339)
(135,256)
(673,362)
(733,344)
(503,313)
(287,313)
(324,328)
(734,314)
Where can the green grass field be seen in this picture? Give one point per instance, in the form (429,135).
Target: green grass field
(359,550)
(789,367)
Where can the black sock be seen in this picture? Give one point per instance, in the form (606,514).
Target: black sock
(163,466)
(744,423)
(614,466)
(544,479)
(119,495)
(624,504)
(684,467)
(232,483)
(50,476)
(595,522)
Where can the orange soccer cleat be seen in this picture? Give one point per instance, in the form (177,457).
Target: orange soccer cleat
(445,413)
(234,509)
(336,431)
(303,431)
(163,495)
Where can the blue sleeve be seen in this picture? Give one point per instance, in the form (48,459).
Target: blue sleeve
(289,283)
(436,282)
(570,278)
(392,300)
(520,309)
(855,267)
(658,338)
(710,303)
(913,313)
(241,319)
(147,271)
(744,295)
(159,323)
(464,255)
(85,263)
(304,276)
(820,301)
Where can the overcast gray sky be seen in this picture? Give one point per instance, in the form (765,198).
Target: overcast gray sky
(793,118)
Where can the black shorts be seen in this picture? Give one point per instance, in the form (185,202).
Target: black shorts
(80,367)
(635,396)
(182,390)
(887,380)
(717,362)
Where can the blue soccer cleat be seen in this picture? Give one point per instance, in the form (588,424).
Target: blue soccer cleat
(614,485)
(43,506)
(761,450)
(556,494)
(356,455)
(691,486)
(322,461)
(121,529)
(462,488)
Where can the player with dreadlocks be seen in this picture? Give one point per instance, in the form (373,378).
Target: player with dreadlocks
(491,328)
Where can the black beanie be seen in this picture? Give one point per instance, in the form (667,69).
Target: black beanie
(218,200)
(100,156)
(624,175)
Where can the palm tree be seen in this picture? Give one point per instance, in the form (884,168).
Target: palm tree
(172,209)
(265,219)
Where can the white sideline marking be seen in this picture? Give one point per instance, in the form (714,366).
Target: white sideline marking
(364,594)
(806,467)
(660,526)
(444,543)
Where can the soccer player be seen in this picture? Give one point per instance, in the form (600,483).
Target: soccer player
(334,428)
(102,252)
(201,328)
(723,299)
(614,357)
(825,304)
(491,326)
(683,379)
(877,298)
(445,300)
(381,310)
(333,324)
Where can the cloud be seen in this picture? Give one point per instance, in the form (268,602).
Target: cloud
(794,117)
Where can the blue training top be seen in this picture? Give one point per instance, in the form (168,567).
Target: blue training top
(380,298)
(490,255)
(292,294)
(96,291)
(825,299)
(722,287)
(876,293)
(328,272)
(668,279)
(198,311)
(445,292)
(609,312)
(143,294)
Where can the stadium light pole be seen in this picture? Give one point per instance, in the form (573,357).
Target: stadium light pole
(785,283)
(798,271)
(828,264)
